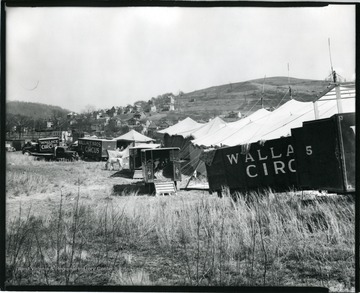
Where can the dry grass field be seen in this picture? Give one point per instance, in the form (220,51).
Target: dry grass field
(79,224)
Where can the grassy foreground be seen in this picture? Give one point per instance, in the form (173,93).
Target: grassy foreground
(67,225)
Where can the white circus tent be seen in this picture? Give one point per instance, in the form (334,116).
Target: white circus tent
(265,125)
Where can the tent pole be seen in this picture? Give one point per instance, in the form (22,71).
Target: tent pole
(338,99)
(316,110)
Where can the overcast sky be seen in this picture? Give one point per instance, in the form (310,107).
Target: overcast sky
(75,57)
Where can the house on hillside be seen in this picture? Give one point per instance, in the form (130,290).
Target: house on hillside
(164,123)
(234,114)
(72,122)
(153,108)
(147,123)
(119,111)
(100,124)
(133,122)
(165,108)
(151,129)
(119,123)
(99,115)
(97,127)
(171,103)
(137,107)
(49,124)
(128,109)
(171,99)
(71,115)
(139,115)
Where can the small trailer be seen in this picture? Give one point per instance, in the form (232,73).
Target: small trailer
(49,149)
(161,169)
(135,164)
(95,148)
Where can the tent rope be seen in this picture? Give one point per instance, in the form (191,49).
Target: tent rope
(252,108)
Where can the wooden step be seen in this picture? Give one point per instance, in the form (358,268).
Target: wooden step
(165,187)
(138,174)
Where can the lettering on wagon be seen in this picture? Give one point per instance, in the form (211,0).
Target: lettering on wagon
(273,163)
(90,149)
(48,144)
(90,143)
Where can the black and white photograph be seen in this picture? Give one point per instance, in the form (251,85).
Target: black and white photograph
(180,146)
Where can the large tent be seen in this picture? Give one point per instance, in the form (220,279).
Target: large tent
(262,124)
(216,138)
(181,134)
(205,129)
(266,125)
(187,124)
(131,139)
(173,136)
(134,136)
(290,115)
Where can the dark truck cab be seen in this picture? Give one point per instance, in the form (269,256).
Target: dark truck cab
(49,149)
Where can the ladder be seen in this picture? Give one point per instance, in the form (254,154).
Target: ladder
(164,187)
(138,174)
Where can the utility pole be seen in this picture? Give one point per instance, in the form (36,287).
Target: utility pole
(289,82)
(337,85)
(262,94)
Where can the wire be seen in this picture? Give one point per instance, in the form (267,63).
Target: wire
(252,108)
(261,127)
(281,100)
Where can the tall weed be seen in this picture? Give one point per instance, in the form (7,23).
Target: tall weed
(251,239)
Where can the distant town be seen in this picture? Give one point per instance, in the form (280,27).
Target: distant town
(144,117)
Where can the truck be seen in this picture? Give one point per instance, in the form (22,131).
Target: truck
(49,149)
(95,148)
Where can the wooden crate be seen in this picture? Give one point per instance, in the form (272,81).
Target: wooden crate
(165,187)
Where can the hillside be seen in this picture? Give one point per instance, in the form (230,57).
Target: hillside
(34,110)
(203,104)
(245,96)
